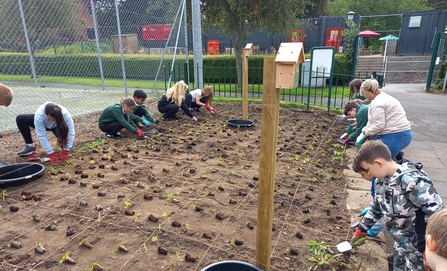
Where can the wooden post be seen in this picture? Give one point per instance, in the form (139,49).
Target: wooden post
(245,54)
(279,72)
(267,163)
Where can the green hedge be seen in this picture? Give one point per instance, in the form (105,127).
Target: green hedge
(218,68)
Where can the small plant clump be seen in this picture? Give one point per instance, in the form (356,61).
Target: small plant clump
(320,255)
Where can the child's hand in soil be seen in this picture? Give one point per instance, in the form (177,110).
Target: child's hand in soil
(139,133)
(145,122)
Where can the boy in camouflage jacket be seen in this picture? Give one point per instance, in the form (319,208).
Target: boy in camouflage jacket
(405,196)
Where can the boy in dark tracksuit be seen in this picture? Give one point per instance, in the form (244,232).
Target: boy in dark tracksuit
(116,117)
(405,196)
(140,111)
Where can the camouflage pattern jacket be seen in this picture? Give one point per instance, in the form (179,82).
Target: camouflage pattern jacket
(407,200)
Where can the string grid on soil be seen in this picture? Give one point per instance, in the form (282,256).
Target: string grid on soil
(187,162)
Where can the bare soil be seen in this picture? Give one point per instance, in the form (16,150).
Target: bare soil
(202,175)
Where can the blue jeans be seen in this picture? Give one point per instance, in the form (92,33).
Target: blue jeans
(395,142)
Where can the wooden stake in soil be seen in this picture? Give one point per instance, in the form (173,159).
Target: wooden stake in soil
(278,73)
(245,54)
(269,132)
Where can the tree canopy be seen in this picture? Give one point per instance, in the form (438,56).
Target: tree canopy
(56,19)
(237,18)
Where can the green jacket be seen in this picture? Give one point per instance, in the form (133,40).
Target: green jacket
(137,118)
(358,96)
(361,116)
(115,113)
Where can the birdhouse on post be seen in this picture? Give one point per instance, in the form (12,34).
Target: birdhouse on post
(290,54)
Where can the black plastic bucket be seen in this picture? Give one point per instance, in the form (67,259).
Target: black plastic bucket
(240,123)
(231,265)
(20,174)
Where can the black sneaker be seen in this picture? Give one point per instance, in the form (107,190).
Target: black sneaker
(27,150)
(166,118)
(198,110)
(106,135)
(118,134)
(175,117)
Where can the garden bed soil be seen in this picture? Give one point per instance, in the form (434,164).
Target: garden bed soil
(203,176)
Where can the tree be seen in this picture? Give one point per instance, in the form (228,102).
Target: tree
(374,7)
(238,18)
(437,4)
(46,23)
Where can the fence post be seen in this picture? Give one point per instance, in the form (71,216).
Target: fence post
(433,61)
(121,47)
(98,49)
(186,43)
(30,52)
(354,57)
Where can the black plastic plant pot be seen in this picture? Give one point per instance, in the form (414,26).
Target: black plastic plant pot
(20,174)
(231,265)
(240,123)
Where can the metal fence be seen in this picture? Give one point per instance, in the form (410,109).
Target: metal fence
(314,89)
(86,54)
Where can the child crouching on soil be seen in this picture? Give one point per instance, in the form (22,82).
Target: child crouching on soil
(174,99)
(200,97)
(116,117)
(405,196)
(140,113)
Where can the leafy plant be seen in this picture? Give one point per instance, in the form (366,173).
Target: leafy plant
(154,238)
(64,257)
(126,204)
(338,156)
(320,256)
(169,197)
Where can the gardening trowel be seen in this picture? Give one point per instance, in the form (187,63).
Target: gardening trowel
(43,159)
(346,246)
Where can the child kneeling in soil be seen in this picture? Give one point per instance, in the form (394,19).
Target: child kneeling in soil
(116,117)
(174,99)
(405,196)
(200,97)
(140,111)
(436,242)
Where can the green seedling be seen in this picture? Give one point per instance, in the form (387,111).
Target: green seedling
(164,215)
(187,226)
(66,258)
(126,204)
(320,255)
(233,242)
(136,217)
(207,170)
(4,194)
(154,239)
(169,197)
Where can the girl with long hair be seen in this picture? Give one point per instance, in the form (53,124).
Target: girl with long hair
(48,117)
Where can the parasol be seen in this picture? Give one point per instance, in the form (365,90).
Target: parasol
(389,38)
(369,33)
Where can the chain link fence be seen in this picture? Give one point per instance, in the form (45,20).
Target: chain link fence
(87,54)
